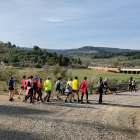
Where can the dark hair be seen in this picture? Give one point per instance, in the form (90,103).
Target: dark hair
(40,80)
(11,78)
(76,77)
(101,78)
(85,78)
(59,78)
(31,76)
(24,77)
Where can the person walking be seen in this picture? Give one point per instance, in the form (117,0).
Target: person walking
(48,88)
(40,88)
(69,90)
(100,90)
(29,91)
(11,87)
(83,87)
(105,84)
(22,86)
(59,87)
(130,83)
(75,88)
(36,90)
(133,85)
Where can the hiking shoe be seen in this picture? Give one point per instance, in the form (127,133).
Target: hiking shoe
(75,100)
(10,99)
(33,103)
(88,102)
(43,102)
(48,101)
(82,102)
(66,101)
(38,100)
(70,101)
(59,98)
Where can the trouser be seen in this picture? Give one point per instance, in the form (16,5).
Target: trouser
(130,87)
(48,95)
(30,95)
(100,96)
(83,95)
(40,92)
(133,88)
(34,93)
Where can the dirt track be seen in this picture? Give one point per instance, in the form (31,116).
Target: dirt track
(117,118)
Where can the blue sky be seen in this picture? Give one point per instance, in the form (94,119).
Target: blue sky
(67,24)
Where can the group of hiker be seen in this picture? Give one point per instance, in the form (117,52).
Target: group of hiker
(31,86)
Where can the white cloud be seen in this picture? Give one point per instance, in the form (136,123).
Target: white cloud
(53,19)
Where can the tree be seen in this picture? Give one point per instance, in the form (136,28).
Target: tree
(79,61)
(9,44)
(36,48)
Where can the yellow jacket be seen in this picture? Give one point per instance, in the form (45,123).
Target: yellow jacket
(48,84)
(75,84)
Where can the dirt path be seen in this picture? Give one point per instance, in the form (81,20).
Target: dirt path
(116,119)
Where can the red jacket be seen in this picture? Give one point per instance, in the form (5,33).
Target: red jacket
(83,86)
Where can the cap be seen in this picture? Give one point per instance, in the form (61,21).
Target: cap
(48,77)
(13,77)
(36,78)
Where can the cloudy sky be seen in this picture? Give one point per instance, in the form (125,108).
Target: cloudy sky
(66,24)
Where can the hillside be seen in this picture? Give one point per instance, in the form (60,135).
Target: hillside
(86,50)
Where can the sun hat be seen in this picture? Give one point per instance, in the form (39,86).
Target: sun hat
(13,76)
(48,77)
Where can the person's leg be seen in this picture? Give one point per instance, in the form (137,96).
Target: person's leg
(131,88)
(77,95)
(59,94)
(20,93)
(49,93)
(39,94)
(13,93)
(46,96)
(82,97)
(87,96)
(10,93)
(67,97)
(34,93)
(100,97)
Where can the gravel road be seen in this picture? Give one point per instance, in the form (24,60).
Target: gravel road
(116,119)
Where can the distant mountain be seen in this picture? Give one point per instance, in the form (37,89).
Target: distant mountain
(86,50)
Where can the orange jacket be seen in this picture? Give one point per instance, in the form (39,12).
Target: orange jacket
(40,85)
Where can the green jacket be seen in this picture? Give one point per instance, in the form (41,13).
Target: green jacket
(48,84)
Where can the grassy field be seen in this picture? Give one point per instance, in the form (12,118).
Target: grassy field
(81,73)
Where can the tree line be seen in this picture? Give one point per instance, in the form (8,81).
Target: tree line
(17,56)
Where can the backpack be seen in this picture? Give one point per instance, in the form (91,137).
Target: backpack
(58,86)
(34,85)
(45,84)
(99,86)
(68,86)
(10,84)
(28,84)
(105,83)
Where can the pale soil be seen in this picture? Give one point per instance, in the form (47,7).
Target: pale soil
(116,119)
